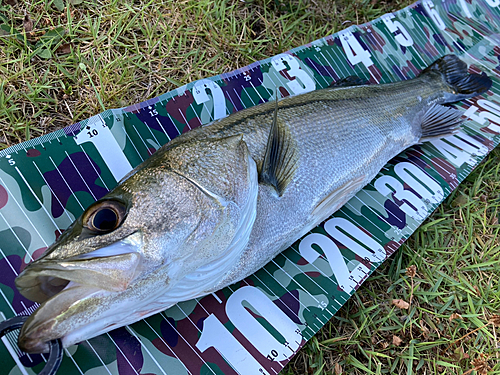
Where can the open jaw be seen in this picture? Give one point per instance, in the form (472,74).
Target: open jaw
(50,320)
(74,293)
(79,312)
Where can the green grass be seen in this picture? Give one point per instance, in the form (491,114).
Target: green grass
(94,55)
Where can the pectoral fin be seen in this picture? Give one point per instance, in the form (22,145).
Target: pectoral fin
(280,159)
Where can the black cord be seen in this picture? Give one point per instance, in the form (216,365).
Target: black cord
(55,346)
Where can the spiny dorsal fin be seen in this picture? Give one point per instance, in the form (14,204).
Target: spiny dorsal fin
(349,81)
(439,121)
(280,159)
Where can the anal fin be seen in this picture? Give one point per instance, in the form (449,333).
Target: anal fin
(439,121)
(280,159)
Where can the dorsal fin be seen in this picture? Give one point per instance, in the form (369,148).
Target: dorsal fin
(280,158)
(349,81)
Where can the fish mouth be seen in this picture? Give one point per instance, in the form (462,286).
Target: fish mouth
(72,290)
(49,321)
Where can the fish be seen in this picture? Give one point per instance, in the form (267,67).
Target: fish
(216,204)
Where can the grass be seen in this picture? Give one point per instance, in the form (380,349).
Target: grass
(64,61)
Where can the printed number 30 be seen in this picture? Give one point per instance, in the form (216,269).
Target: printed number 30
(306,82)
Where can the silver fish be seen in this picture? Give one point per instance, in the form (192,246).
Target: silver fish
(216,204)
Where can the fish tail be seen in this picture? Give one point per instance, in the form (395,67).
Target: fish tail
(462,84)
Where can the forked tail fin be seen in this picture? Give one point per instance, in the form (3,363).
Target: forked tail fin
(463,84)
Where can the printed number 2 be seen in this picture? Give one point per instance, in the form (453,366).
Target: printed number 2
(400,33)
(200,96)
(354,50)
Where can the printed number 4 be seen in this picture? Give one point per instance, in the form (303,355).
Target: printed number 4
(354,50)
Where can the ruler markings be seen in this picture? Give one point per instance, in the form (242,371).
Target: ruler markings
(277,297)
(152,134)
(123,354)
(22,211)
(186,341)
(163,129)
(81,177)
(133,144)
(165,343)
(98,357)
(68,354)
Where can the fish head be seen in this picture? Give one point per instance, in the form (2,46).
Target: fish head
(113,264)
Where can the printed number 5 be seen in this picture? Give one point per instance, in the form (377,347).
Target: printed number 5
(403,38)
(295,71)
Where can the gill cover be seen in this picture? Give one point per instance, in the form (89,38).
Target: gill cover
(167,233)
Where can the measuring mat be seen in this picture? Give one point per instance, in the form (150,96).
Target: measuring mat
(254,326)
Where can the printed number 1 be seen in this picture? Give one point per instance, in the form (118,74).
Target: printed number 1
(215,335)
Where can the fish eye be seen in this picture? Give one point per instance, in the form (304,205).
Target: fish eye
(104,216)
(105,219)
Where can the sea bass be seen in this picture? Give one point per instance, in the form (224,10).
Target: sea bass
(216,204)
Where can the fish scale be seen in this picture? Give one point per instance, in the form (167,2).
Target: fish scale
(415,22)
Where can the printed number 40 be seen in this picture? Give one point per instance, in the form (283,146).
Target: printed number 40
(354,50)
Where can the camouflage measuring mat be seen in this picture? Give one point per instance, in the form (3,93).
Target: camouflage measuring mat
(258,324)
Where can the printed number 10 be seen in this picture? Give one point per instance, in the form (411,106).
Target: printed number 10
(216,335)
(92,133)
